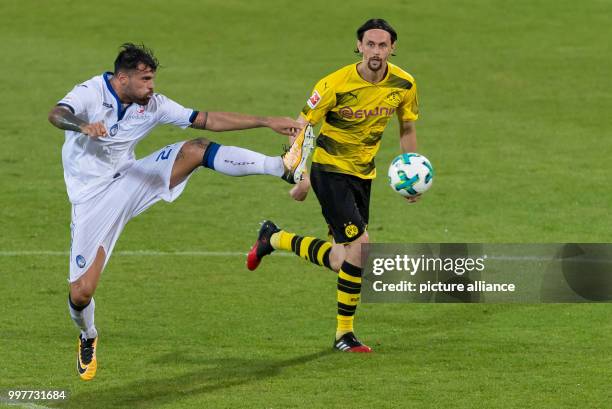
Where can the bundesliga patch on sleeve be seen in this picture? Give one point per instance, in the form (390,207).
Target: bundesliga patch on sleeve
(313,101)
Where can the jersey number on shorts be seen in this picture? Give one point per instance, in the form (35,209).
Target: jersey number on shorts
(163,155)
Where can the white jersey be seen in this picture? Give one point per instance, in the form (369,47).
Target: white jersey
(91,164)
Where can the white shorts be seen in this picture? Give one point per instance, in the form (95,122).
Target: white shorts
(100,220)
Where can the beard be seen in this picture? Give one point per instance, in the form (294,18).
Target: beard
(374,64)
(144,100)
(137,97)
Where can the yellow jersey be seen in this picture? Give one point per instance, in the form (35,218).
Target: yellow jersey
(355,113)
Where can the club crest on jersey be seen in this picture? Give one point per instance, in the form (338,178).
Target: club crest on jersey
(351,231)
(313,101)
(114,129)
(80,261)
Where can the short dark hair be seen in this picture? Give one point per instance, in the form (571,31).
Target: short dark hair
(132,55)
(376,23)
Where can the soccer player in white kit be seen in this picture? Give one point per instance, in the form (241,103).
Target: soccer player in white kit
(104,118)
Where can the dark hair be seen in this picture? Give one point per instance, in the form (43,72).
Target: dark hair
(131,55)
(376,23)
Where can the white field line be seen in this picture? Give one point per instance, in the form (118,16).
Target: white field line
(203,253)
(18,404)
(18,253)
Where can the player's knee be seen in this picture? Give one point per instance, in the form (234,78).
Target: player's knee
(363,239)
(336,265)
(195,148)
(336,257)
(81,292)
(353,249)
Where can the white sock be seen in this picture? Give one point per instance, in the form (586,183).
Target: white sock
(274,166)
(235,161)
(84,318)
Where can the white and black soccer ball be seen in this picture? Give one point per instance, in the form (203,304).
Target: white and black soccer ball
(410,174)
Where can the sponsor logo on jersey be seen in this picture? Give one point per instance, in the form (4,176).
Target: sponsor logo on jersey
(139,114)
(107,105)
(347,112)
(313,101)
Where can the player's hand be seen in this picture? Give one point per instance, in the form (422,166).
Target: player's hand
(95,130)
(300,190)
(284,125)
(413,199)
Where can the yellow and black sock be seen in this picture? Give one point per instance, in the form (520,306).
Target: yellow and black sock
(349,293)
(310,248)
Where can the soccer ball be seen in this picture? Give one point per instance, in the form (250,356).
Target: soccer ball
(410,174)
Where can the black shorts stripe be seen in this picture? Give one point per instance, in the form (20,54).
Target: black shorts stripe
(294,243)
(348,284)
(346,310)
(347,307)
(349,290)
(313,249)
(298,244)
(326,261)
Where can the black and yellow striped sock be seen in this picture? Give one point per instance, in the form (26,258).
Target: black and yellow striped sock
(309,248)
(349,293)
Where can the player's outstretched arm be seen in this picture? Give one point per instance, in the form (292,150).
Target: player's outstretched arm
(408,139)
(408,143)
(62,118)
(232,121)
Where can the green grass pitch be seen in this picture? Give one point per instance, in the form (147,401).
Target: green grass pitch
(515,108)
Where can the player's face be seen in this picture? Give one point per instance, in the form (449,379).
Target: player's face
(139,86)
(376,47)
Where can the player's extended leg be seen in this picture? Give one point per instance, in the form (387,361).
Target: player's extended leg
(317,251)
(236,161)
(229,160)
(82,307)
(343,259)
(344,203)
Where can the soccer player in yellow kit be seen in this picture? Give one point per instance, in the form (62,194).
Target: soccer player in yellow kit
(355,103)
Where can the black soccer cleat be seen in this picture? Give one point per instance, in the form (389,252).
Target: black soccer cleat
(349,343)
(288,177)
(262,246)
